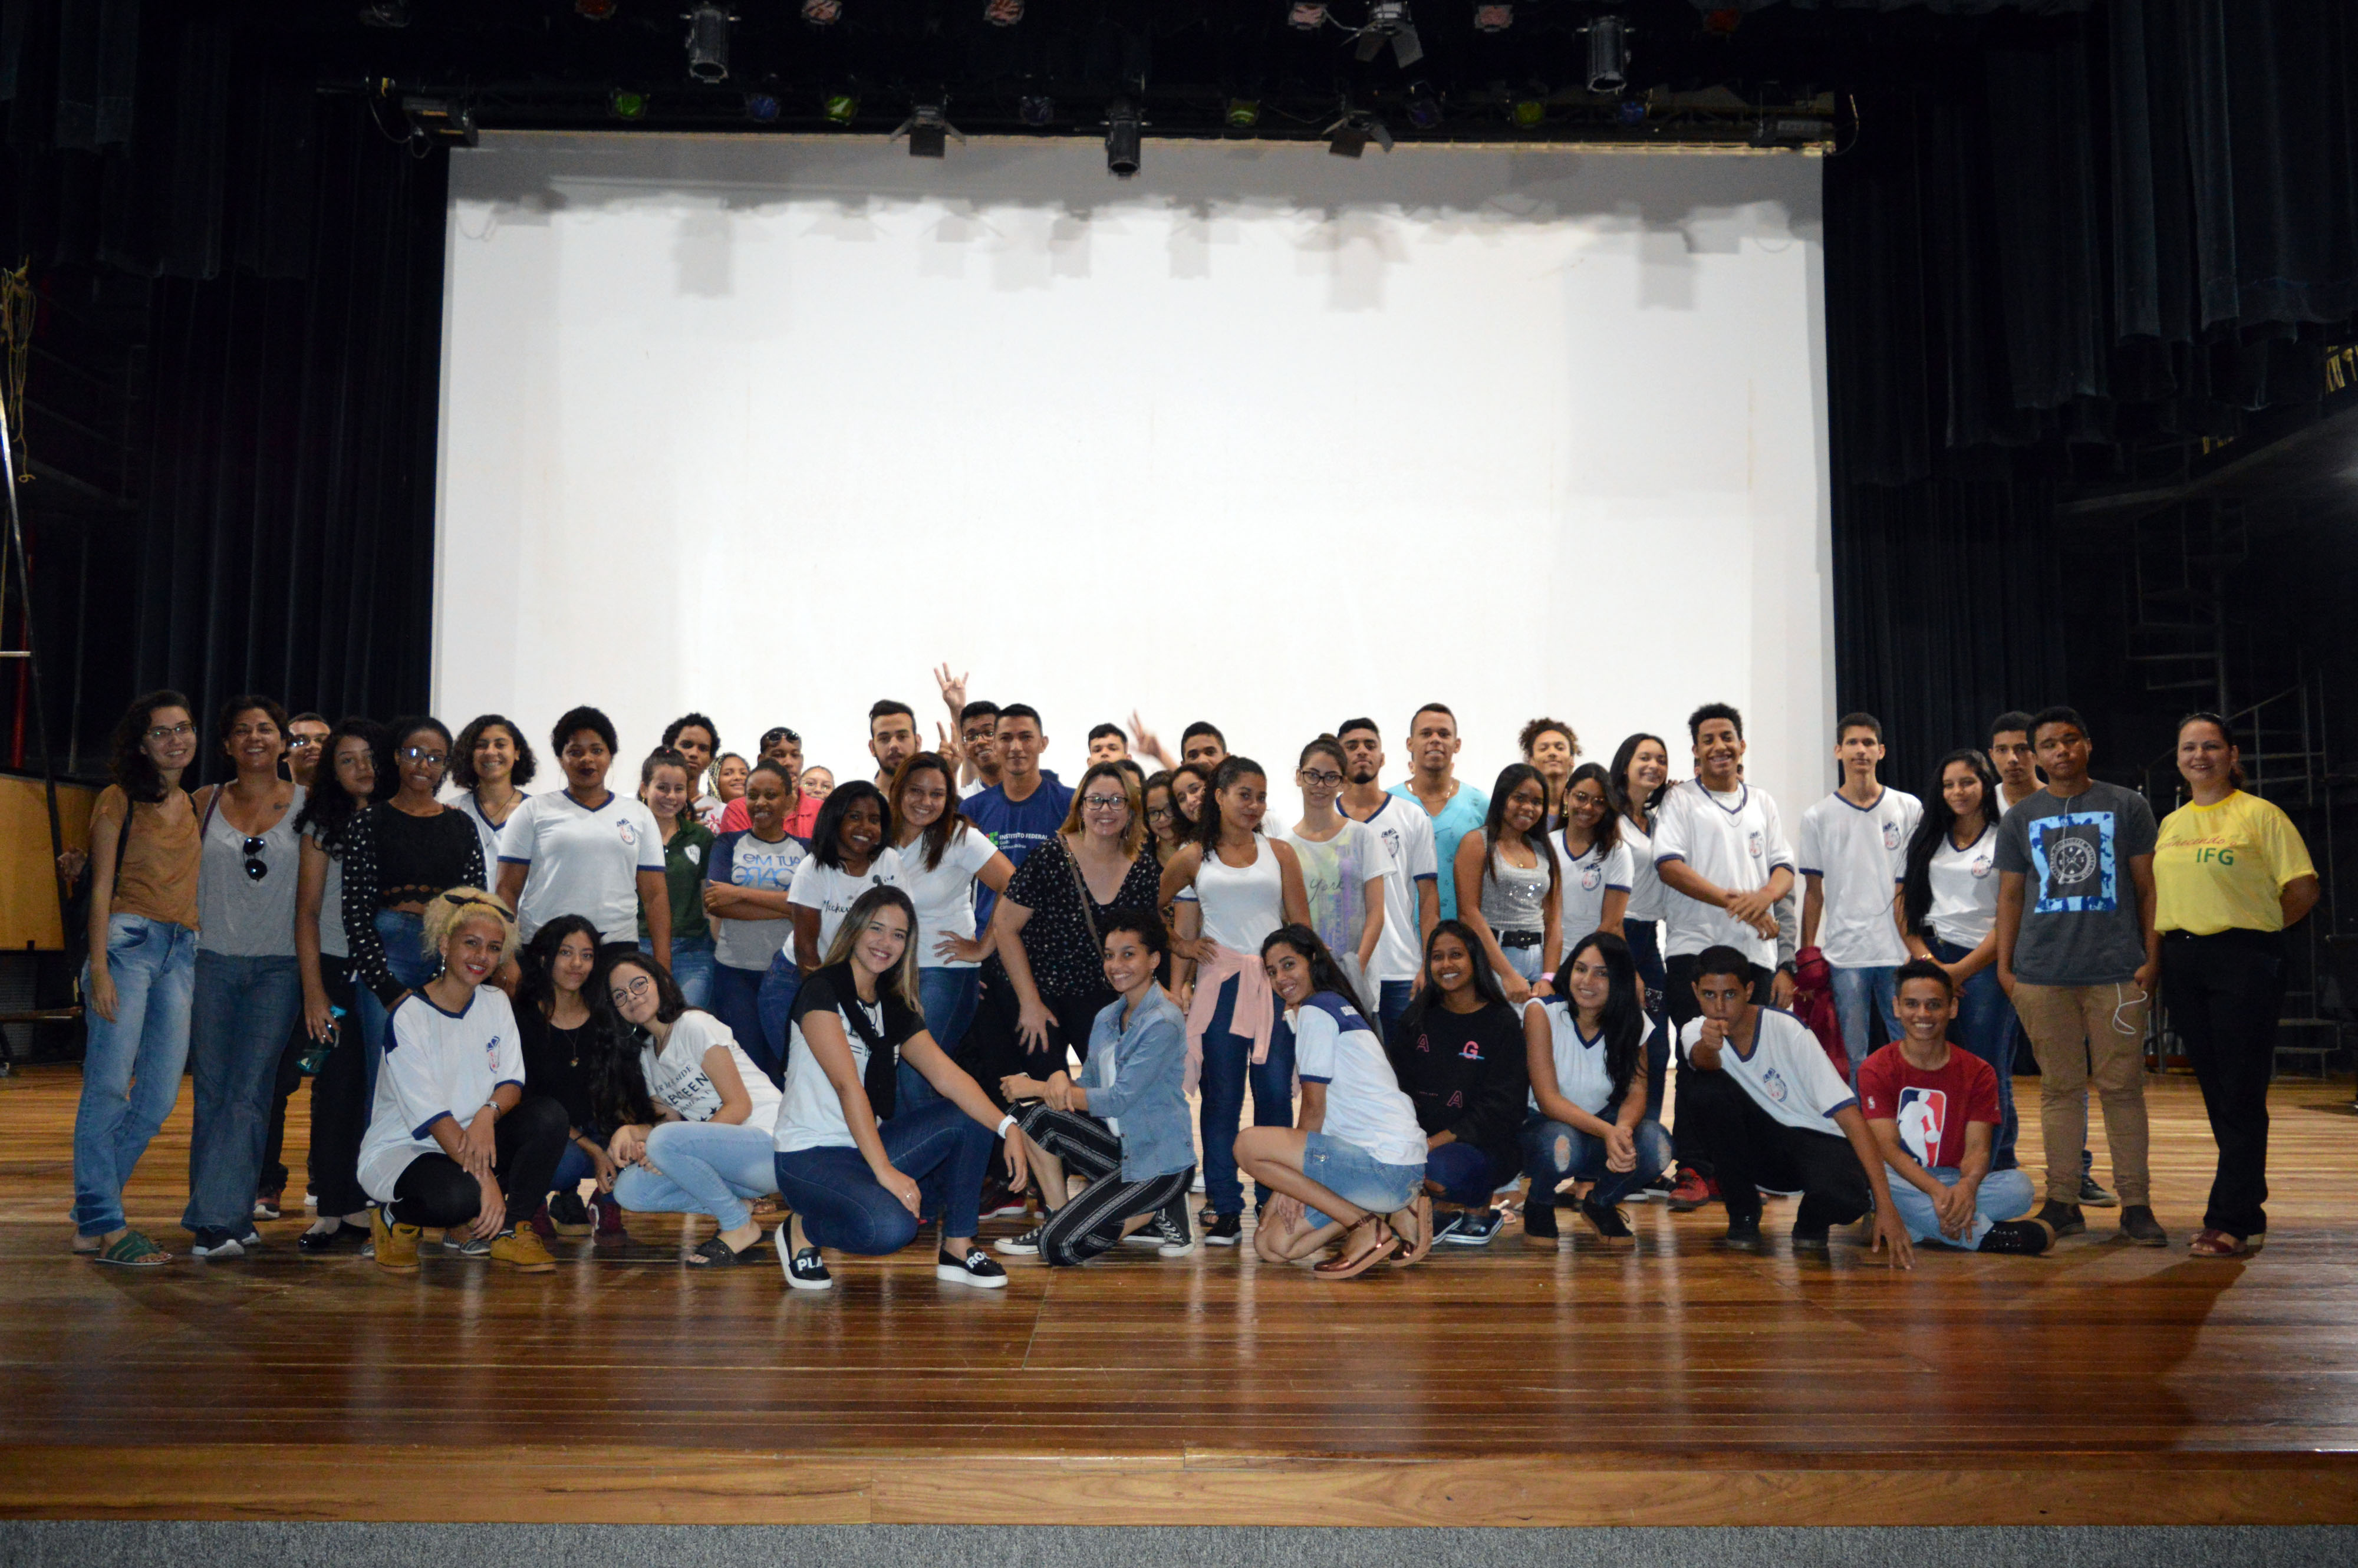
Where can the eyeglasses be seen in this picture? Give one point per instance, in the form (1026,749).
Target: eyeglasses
(171,731)
(420,755)
(1103,802)
(1321,779)
(1158,814)
(255,867)
(631,991)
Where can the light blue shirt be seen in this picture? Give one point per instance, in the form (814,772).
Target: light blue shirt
(1147,1061)
(1465,813)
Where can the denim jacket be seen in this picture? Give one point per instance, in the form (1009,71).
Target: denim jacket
(1149,1060)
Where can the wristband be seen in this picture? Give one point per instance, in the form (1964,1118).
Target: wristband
(1005,1125)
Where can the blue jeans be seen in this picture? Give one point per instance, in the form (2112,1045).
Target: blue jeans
(404,937)
(1554,1152)
(130,1067)
(774,1011)
(575,1166)
(842,1206)
(1357,1177)
(1985,1026)
(701,1167)
(238,1015)
(1645,948)
(1227,1063)
(1468,1177)
(737,1002)
(1856,992)
(1524,961)
(691,967)
(2003,1195)
(1391,1001)
(947,997)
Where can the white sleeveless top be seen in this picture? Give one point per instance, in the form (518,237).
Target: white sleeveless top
(1242,904)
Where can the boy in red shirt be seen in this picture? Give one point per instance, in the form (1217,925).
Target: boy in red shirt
(1935,1112)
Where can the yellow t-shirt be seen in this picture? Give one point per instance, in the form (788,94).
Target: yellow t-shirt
(2220,866)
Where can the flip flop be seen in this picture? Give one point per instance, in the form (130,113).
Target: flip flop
(717,1253)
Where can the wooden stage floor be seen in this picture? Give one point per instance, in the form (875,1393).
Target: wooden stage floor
(1674,1383)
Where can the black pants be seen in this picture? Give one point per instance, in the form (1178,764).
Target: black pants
(336,975)
(993,1047)
(339,1108)
(2225,992)
(1750,1148)
(437,1191)
(1091,1222)
(1678,1001)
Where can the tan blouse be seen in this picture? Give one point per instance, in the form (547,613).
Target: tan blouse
(157,877)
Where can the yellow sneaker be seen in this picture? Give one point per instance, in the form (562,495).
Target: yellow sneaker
(522,1250)
(396,1245)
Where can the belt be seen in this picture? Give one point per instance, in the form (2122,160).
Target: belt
(1519,938)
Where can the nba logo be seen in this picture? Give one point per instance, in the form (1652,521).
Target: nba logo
(1923,1116)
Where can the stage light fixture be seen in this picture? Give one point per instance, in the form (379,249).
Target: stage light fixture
(386,14)
(440,120)
(625,104)
(1632,110)
(1528,112)
(1349,136)
(929,130)
(1036,109)
(1002,13)
(841,108)
(1493,18)
(1306,16)
(1388,22)
(1243,114)
(1423,107)
(822,13)
(596,10)
(708,41)
(1123,138)
(1609,54)
(760,107)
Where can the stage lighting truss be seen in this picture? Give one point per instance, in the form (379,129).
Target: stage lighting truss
(1124,138)
(1388,22)
(929,130)
(1349,136)
(1609,54)
(708,41)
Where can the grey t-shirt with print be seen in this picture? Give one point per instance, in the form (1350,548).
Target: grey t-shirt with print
(2080,924)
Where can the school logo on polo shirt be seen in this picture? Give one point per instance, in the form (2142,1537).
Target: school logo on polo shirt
(1981,866)
(1891,835)
(1772,1084)
(1589,876)
(629,831)
(1392,841)
(1752,842)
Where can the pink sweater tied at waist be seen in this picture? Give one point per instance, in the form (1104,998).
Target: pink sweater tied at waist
(1255,1013)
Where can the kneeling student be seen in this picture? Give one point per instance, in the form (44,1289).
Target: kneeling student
(1935,1112)
(693,1117)
(857,1169)
(1587,1120)
(1769,1107)
(455,1141)
(1357,1153)
(1127,1113)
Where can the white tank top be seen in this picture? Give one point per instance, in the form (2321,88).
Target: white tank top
(1242,904)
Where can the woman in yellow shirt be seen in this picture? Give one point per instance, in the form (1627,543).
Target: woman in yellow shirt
(2230,874)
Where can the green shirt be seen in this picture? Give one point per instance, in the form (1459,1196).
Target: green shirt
(684,863)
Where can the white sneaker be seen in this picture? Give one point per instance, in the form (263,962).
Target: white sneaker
(228,1247)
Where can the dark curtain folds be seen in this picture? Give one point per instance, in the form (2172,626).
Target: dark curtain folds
(288,544)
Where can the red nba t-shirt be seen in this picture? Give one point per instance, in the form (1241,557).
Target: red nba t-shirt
(1932,1108)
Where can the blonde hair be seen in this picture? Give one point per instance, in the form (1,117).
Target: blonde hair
(448,910)
(902,980)
(1133,834)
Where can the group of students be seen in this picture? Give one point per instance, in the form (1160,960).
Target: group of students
(911,1002)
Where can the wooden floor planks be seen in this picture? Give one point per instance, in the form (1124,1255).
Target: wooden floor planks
(1669,1383)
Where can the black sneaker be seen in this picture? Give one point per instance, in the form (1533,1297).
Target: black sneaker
(1538,1220)
(1174,1237)
(2062,1220)
(1816,1239)
(215,1242)
(2022,1237)
(2137,1225)
(1605,1220)
(1473,1229)
(569,1216)
(1025,1246)
(345,1237)
(1225,1231)
(804,1269)
(2094,1195)
(1744,1232)
(977,1268)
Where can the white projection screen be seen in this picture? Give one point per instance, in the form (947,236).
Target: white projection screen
(768,426)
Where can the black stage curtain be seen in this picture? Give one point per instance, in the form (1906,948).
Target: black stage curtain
(2083,234)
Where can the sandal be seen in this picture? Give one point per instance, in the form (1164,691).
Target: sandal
(717,1253)
(1345,1266)
(132,1251)
(1415,1253)
(2218,1244)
